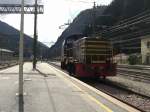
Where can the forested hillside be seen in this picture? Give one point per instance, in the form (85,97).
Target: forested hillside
(9,39)
(104,16)
(122,9)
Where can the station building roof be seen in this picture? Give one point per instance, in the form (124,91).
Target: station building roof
(5,50)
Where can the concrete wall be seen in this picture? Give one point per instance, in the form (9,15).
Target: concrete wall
(145,49)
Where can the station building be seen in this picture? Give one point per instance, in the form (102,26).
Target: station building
(121,58)
(145,49)
(5,55)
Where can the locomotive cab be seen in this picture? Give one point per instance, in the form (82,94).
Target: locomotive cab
(67,51)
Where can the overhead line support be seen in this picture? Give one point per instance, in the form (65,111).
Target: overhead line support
(16,9)
(35,38)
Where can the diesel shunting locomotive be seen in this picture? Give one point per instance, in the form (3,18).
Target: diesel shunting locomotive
(88,57)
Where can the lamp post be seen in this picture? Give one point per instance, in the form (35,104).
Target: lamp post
(35,38)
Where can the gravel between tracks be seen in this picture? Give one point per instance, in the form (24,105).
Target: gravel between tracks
(136,86)
(141,102)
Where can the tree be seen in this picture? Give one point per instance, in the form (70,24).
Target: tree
(133,59)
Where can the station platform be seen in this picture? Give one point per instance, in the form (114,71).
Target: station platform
(136,86)
(51,90)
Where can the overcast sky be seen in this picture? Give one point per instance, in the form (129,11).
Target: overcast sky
(56,13)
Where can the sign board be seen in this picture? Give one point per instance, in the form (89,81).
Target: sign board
(27,2)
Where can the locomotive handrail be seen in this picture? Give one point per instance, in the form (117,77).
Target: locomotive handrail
(96,54)
(95,46)
(97,49)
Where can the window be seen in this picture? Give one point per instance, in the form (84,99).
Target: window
(148,59)
(148,44)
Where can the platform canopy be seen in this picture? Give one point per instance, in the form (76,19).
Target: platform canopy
(14,7)
(27,2)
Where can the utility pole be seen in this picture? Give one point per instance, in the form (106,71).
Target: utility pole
(94,18)
(145,5)
(21,106)
(27,9)
(35,38)
(21,51)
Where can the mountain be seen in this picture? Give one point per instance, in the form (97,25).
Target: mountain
(77,27)
(9,39)
(123,9)
(101,16)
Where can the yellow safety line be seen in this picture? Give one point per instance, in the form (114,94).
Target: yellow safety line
(100,104)
(91,97)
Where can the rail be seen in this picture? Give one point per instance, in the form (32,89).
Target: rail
(137,72)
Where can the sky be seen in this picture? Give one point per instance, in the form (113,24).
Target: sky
(56,13)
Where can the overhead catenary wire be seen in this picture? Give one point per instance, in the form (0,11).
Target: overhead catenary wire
(131,35)
(80,1)
(144,17)
(128,37)
(71,15)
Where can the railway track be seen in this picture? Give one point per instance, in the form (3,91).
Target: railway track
(136,100)
(139,73)
(129,97)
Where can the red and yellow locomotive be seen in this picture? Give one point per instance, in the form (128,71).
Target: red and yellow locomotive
(88,57)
